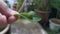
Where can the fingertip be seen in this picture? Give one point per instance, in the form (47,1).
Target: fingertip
(11,19)
(5,19)
(13,12)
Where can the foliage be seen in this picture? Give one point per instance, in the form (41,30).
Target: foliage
(54,31)
(34,5)
(30,16)
(37,3)
(41,4)
(19,4)
(55,3)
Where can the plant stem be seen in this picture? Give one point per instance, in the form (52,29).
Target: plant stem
(20,8)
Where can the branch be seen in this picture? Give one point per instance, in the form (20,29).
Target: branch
(22,6)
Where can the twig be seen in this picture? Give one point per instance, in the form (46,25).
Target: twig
(22,6)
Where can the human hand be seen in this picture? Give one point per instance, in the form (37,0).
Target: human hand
(6,14)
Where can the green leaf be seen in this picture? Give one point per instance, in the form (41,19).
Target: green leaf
(32,13)
(31,16)
(36,19)
(17,15)
(55,3)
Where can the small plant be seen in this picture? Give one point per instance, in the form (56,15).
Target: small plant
(29,16)
(56,4)
(41,5)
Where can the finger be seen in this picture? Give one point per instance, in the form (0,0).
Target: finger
(4,9)
(3,5)
(3,21)
(12,12)
(11,19)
